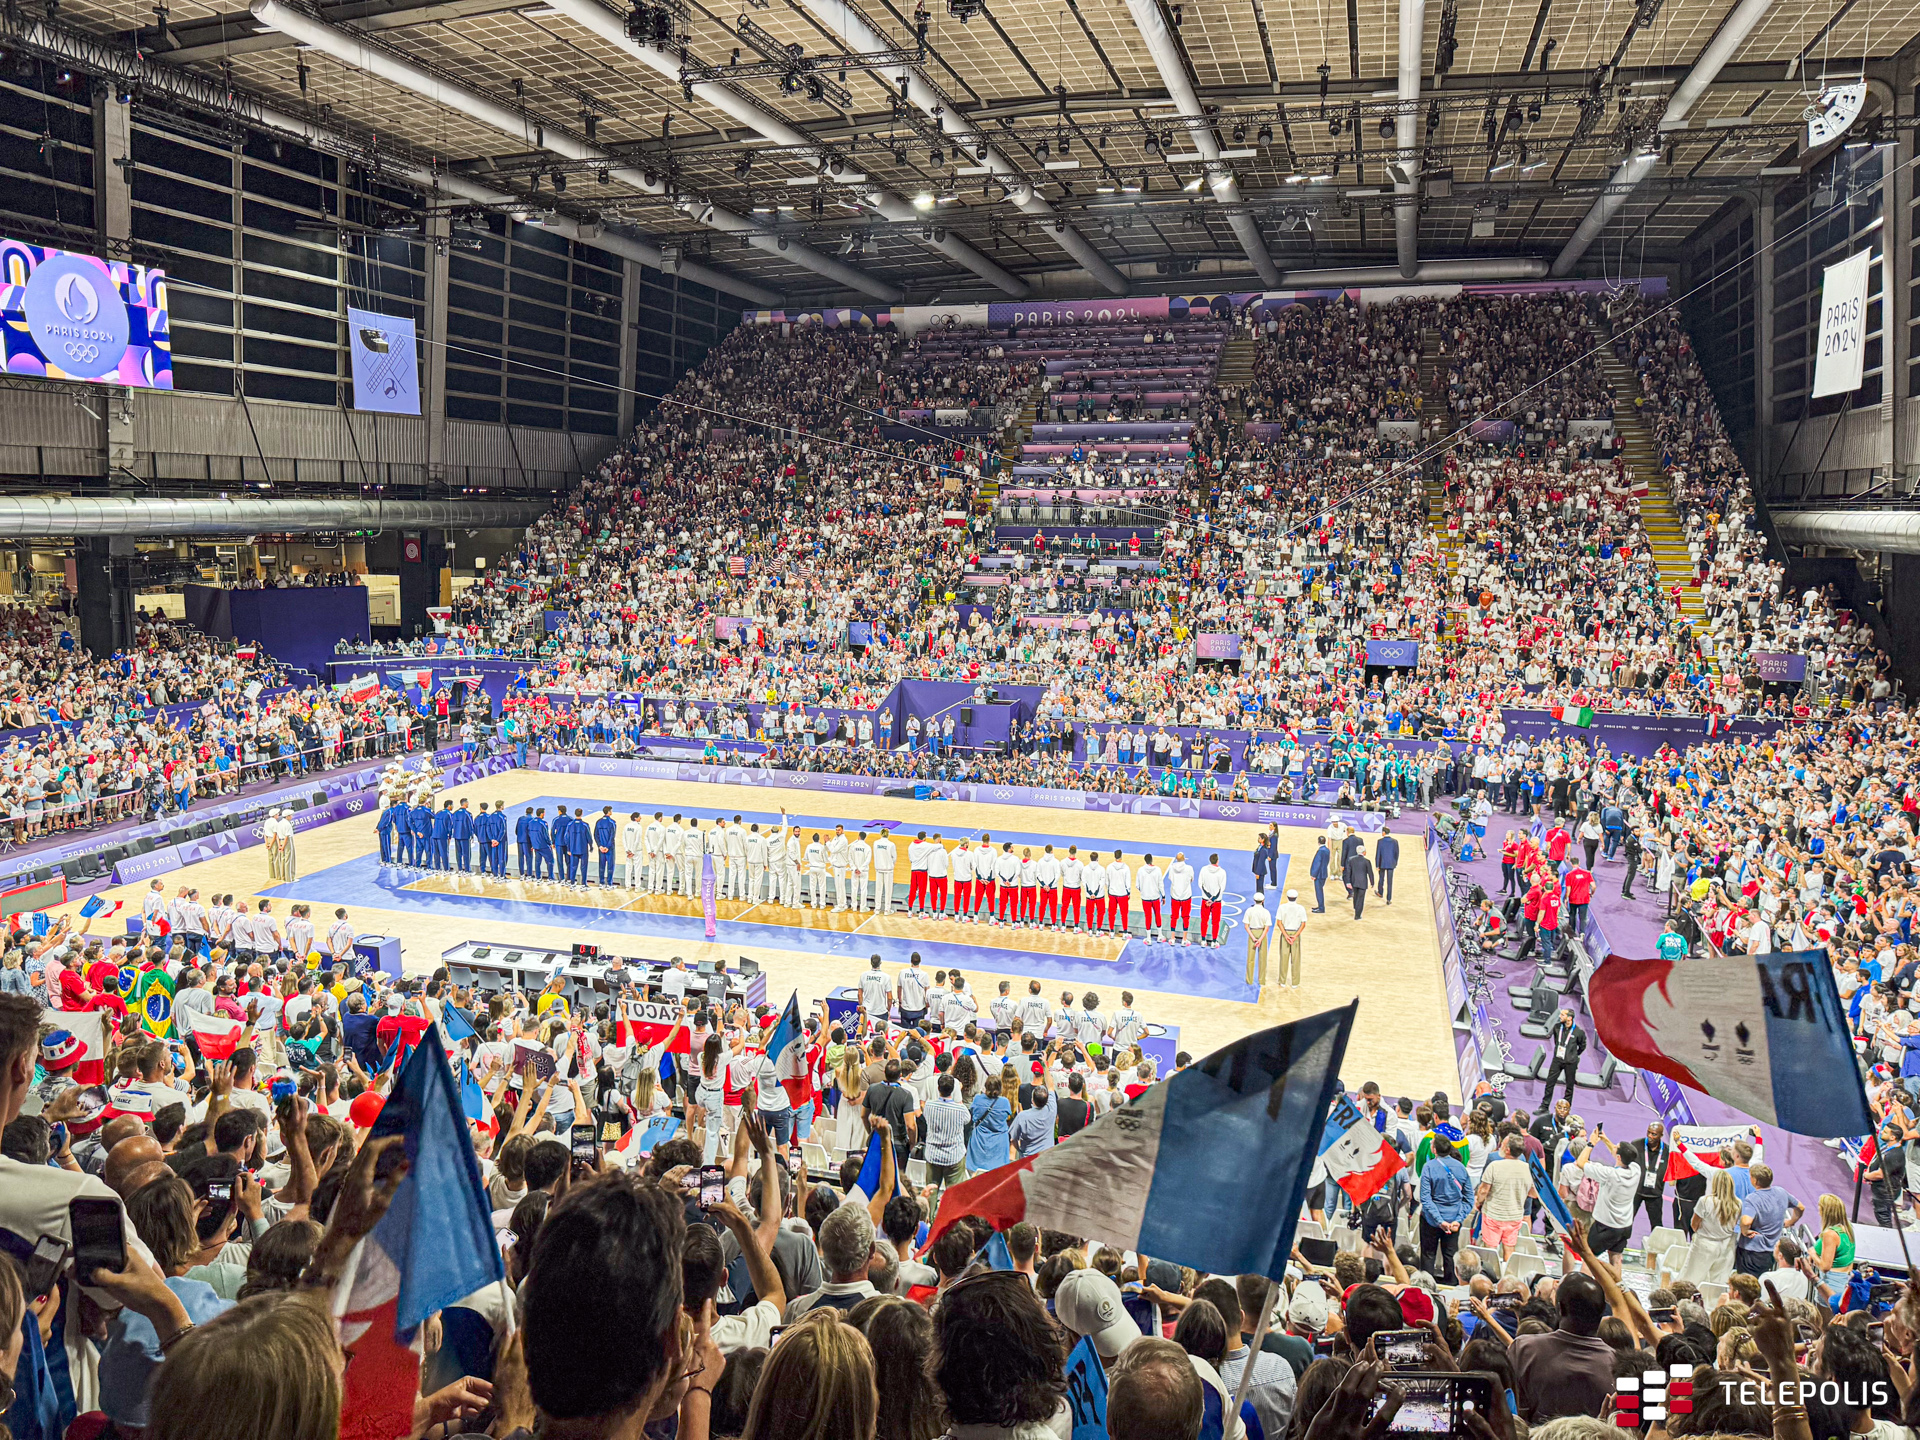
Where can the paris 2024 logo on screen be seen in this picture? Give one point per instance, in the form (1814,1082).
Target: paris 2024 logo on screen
(77,317)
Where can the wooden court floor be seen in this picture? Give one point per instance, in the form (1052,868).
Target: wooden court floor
(1389,959)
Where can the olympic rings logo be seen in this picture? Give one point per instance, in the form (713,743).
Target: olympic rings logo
(79,350)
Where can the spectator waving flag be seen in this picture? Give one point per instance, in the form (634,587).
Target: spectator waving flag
(153,1002)
(1353,1154)
(217,1036)
(1549,1195)
(873,1166)
(1206,1168)
(787,1049)
(1765,1034)
(1695,1149)
(433,1247)
(99,905)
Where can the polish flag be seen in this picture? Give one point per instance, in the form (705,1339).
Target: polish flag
(217,1036)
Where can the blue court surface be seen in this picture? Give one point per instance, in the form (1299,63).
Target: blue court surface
(1216,974)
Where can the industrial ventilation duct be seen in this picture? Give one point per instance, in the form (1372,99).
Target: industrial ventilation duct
(35,515)
(1895,531)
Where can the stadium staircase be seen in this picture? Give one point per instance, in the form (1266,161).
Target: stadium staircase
(1667,536)
(1434,407)
(1236,369)
(1011,439)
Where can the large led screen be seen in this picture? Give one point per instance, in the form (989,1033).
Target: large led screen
(77,317)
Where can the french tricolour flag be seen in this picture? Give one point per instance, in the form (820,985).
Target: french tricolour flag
(1207,1168)
(1765,1034)
(787,1048)
(217,1036)
(433,1247)
(1353,1154)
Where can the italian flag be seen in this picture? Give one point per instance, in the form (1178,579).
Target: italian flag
(1581,715)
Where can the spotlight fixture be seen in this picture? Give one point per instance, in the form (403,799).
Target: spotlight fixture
(602,175)
(1533,112)
(1333,125)
(1266,135)
(559,183)
(1386,127)
(1153,144)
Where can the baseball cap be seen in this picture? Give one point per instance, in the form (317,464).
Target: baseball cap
(1308,1308)
(1088,1303)
(1416,1306)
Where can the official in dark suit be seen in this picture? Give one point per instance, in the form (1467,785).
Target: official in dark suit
(1566,1043)
(1349,847)
(1321,868)
(1386,856)
(1273,857)
(1358,873)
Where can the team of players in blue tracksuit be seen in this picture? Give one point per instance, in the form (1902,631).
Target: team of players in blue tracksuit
(445,839)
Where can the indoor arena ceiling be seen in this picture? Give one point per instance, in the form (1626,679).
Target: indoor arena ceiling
(1531,108)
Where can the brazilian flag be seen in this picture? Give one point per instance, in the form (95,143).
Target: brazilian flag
(153,1002)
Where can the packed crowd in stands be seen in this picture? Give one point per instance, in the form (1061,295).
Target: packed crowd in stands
(1307,541)
(179,718)
(1340,366)
(1741,585)
(1524,359)
(707,1247)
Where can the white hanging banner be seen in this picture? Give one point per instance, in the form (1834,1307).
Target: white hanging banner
(1843,326)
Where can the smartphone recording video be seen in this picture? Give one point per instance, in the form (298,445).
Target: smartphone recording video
(1401,1349)
(1435,1402)
(586,1146)
(713,1186)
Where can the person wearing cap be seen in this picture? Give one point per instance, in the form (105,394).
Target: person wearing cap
(1088,1304)
(1257,920)
(1290,921)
